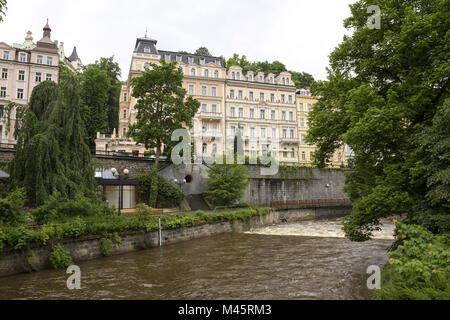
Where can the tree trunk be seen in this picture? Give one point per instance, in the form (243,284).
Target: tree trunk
(158,154)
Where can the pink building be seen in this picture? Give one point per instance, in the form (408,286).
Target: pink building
(22,67)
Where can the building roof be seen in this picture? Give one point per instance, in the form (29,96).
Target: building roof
(196,58)
(146,45)
(74,55)
(105,177)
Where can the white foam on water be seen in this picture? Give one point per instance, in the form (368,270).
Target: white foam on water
(330,228)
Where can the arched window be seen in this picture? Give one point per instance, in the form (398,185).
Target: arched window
(216,74)
(193,72)
(238,76)
(205,148)
(233,76)
(206,73)
(284,82)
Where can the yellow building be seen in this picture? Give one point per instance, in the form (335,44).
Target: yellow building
(305,102)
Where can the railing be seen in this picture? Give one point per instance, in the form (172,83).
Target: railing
(289,204)
(7,146)
(127,155)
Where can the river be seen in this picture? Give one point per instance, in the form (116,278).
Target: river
(308,260)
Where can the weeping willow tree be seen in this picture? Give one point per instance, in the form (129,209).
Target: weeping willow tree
(51,153)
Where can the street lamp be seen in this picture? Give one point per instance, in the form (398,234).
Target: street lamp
(180,184)
(116,174)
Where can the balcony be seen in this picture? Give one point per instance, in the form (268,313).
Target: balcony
(290,141)
(211,115)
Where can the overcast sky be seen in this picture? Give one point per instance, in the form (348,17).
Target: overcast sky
(299,33)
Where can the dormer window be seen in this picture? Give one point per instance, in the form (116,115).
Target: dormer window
(217,62)
(250,78)
(190,60)
(23,57)
(202,60)
(179,58)
(147,49)
(167,57)
(238,76)
(283,82)
(233,75)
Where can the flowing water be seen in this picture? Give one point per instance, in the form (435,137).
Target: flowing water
(308,260)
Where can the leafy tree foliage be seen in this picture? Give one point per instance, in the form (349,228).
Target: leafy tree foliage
(203,51)
(167,195)
(162,107)
(51,154)
(302,79)
(384,89)
(2,9)
(226,183)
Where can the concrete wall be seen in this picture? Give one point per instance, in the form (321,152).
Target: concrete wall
(136,166)
(37,258)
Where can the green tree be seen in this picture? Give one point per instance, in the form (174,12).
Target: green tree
(203,51)
(51,153)
(226,183)
(162,106)
(94,98)
(2,9)
(384,88)
(302,79)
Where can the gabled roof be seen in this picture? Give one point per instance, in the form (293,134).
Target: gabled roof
(74,55)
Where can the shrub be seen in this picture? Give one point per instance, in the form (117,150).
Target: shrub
(155,191)
(419,268)
(10,208)
(60,258)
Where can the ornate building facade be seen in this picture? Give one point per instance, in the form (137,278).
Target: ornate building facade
(22,67)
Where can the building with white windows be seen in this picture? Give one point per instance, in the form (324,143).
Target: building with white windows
(22,67)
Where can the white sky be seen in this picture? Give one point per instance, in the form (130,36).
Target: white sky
(299,33)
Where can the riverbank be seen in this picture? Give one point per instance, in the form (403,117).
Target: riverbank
(94,239)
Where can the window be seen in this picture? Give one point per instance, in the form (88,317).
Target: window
(214,91)
(252,132)
(273,115)
(125,97)
(217,62)
(250,96)
(23,57)
(19,93)
(193,72)
(238,76)
(252,113)
(263,132)
(206,73)
(250,78)
(167,57)
(216,74)
(283,99)
(303,138)
(204,108)
(214,108)
(190,60)
(283,81)
(191,89)
(3,92)
(302,122)
(290,99)
(203,90)
(284,133)
(300,106)
(241,113)
(39,59)
(304,156)
(340,157)
(146,65)
(272,97)
(48,77)
(50,61)
(240,95)
(253,153)
(292,134)
(147,49)
(233,130)
(291,116)
(233,76)
(202,60)
(232,113)
(124,113)
(2,110)
(204,127)
(6,55)
(4,73)
(287,81)
(285,154)
(261,96)
(263,114)
(179,58)
(293,153)
(274,133)
(231,94)
(21,75)
(214,127)
(283,115)
(214,148)
(205,148)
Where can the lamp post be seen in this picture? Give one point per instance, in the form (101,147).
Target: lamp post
(116,174)
(180,184)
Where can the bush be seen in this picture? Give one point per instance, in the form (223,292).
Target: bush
(58,208)
(10,208)
(419,268)
(60,258)
(155,191)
